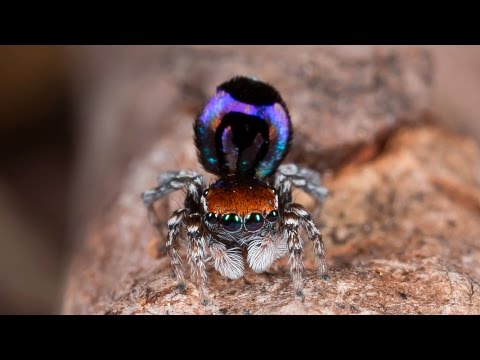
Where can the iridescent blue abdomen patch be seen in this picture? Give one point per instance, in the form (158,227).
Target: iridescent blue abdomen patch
(244,129)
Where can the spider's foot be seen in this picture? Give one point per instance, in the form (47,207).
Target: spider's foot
(182,288)
(299,295)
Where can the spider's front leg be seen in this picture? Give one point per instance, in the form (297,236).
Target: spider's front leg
(196,254)
(175,223)
(167,183)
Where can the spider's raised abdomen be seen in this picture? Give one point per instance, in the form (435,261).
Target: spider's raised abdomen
(244,129)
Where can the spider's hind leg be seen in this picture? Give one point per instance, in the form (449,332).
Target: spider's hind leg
(169,182)
(289,175)
(294,215)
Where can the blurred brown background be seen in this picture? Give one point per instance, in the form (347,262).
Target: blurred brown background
(46,94)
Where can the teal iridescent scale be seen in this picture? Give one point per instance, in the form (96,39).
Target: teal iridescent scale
(244,130)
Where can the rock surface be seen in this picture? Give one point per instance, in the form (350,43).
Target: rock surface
(402,233)
(401,226)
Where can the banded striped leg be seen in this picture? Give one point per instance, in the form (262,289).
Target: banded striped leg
(291,175)
(303,178)
(167,183)
(174,225)
(291,222)
(196,254)
(175,180)
(314,235)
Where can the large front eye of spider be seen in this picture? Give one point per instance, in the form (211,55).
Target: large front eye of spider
(211,218)
(231,222)
(254,221)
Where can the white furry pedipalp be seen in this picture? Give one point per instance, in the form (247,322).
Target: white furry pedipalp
(228,262)
(263,251)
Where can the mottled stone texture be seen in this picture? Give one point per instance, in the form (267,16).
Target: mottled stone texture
(401,226)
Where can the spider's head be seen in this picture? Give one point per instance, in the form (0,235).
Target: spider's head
(240,206)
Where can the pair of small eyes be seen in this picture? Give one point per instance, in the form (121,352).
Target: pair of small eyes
(232,222)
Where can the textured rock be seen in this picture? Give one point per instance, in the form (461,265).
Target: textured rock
(401,226)
(402,233)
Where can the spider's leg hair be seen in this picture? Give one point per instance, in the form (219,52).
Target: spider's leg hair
(303,178)
(196,252)
(314,235)
(174,225)
(174,180)
(291,223)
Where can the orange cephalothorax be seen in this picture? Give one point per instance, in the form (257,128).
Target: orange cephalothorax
(240,198)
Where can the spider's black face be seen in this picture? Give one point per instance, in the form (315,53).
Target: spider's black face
(232,222)
(237,208)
